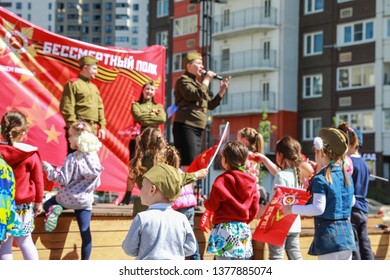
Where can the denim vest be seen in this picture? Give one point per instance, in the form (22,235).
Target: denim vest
(333,230)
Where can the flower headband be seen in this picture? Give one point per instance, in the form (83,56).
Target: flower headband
(318,143)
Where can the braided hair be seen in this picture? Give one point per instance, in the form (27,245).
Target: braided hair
(13,125)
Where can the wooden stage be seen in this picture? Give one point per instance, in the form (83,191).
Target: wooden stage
(110,224)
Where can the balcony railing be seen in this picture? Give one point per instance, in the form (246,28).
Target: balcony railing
(246,103)
(246,19)
(248,61)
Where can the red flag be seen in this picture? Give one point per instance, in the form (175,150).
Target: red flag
(274,226)
(205,159)
(35,64)
(202,160)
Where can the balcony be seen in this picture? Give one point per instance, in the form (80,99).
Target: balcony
(244,21)
(246,62)
(246,103)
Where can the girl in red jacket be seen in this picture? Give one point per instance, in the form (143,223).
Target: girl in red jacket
(234,202)
(26,163)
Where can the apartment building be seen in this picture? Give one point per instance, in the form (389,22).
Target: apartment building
(344,71)
(41,13)
(120,23)
(256,42)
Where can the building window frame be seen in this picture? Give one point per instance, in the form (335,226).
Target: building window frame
(310,128)
(185,25)
(162,8)
(361,120)
(357,32)
(312,86)
(356,76)
(313,43)
(314,6)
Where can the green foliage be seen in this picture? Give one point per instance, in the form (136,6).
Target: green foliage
(265,129)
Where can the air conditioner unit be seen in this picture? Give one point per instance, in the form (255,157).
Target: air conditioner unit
(346,13)
(345,101)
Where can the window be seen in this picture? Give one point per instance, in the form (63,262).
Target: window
(267,8)
(107,40)
(358,76)
(49,17)
(162,8)
(18,5)
(85,7)
(311,127)
(178,61)
(134,41)
(266,50)
(121,27)
(50,5)
(162,38)
(108,28)
(97,29)
(29,5)
(312,43)
(265,87)
(364,121)
(185,25)
(226,18)
(314,6)
(60,17)
(122,17)
(85,29)
(135,7)
(108,6)
(121,39)
(312,86)
(353,33)
(72,16)
(225,60)
(108,18)
(134,29)
(135,18)
(59,28)
(386,124)
(85,18)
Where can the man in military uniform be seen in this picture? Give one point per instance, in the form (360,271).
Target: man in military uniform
(81,99)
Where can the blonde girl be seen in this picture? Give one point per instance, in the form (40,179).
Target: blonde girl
(79,177)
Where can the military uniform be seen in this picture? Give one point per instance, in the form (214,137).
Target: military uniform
(193,101)
(81,100)
(143,113)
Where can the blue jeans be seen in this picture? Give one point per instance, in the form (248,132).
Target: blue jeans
(359,221)
(190,214)
(83,218)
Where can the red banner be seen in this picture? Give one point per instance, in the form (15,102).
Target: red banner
(274,226)
(35,64)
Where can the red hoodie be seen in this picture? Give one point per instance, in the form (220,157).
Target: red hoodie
(233,198)
(27,166)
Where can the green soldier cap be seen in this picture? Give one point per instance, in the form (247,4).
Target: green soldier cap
(167,180)
(190,57)
(88,60)
(336,139)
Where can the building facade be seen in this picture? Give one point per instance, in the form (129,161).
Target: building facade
(343,74)
(120,23)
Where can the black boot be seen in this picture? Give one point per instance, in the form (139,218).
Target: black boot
(126,199)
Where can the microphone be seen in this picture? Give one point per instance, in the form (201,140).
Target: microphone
(216,76)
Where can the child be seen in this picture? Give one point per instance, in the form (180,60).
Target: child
(361,179)
(234,202)
(186,201)
(7,199)
(26,164)
(254,141)
(150,151)
(288,159)
(79,176)
(332,190)
(160,233)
